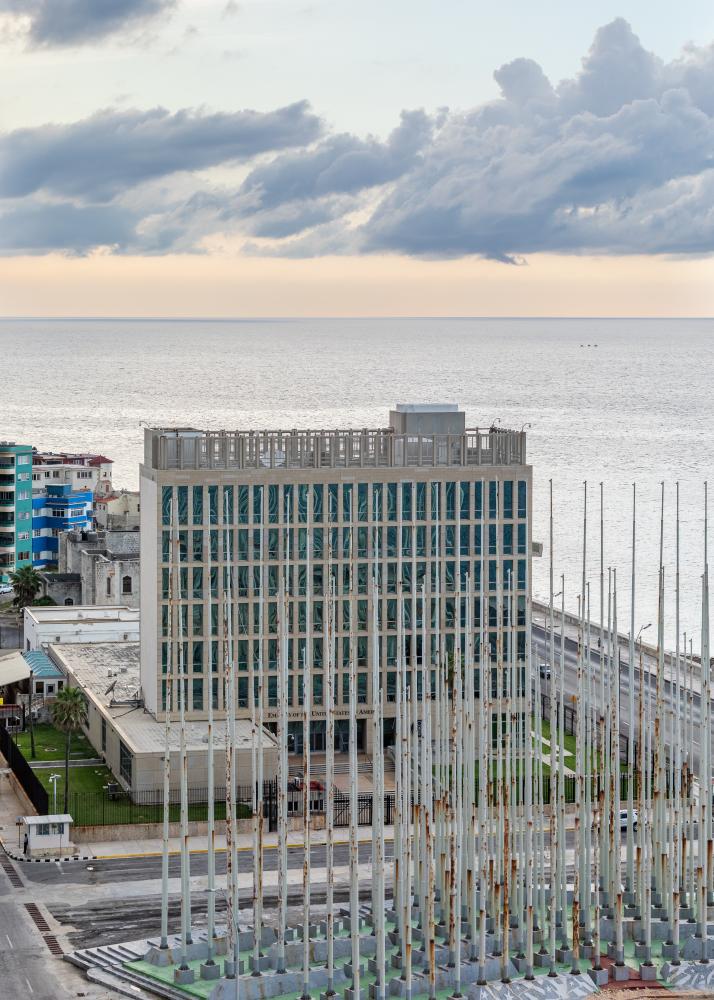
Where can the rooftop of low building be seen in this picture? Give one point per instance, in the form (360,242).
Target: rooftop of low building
(82,614)
(110,675)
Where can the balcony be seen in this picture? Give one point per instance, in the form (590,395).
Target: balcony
(7,501)
(7,482)
(7,543)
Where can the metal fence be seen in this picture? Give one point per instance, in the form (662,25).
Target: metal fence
(33,788)
(119,808)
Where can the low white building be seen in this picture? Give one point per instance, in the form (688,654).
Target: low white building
(48,836)
(131,741)
(80,624)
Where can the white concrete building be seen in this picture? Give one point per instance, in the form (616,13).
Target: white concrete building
(131,741)
(80,624)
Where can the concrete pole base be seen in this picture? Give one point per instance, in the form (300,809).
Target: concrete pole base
(648,972)
(184,977)
(619,973)
(670,951)
(599,976)
(210,970)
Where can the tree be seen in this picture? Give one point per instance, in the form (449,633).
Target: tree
(26,584)
(69,714)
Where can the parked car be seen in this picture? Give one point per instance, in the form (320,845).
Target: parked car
(544,670)
(623,819)
(5,588)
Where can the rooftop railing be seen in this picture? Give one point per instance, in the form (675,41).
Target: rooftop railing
(306,449)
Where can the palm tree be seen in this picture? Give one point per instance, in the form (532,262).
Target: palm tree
(69,714)
(26,584)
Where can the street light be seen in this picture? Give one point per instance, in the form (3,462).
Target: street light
(648,625)
(524,427)
(54,778)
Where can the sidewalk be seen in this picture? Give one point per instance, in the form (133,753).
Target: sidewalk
(11,806)
(244,842)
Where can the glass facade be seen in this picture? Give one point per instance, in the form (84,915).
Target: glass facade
(423,543)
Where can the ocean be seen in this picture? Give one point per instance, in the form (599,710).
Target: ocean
(611,401)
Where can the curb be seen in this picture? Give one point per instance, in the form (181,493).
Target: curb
(157,854)
(39,861)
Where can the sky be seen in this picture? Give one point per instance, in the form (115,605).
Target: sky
(289,157)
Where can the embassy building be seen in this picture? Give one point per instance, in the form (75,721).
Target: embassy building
(387,533)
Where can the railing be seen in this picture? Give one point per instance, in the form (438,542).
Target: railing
(305,449)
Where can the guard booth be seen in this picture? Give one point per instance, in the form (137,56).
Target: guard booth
(48,836)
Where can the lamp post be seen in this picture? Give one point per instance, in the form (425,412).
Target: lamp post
(54,778)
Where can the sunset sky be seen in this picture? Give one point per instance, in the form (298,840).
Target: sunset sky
(289,157)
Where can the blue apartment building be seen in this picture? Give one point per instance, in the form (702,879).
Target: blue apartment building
(59,507)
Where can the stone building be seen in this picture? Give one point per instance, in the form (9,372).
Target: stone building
(96,568)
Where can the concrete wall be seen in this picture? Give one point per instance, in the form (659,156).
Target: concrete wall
(61,589)
(103,580)
(75,630)
(149,601)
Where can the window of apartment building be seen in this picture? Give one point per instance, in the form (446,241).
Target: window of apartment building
(23,459)
(23,536)
(126,585)
(24,555)
(126,761)
(104,734)
(109,586)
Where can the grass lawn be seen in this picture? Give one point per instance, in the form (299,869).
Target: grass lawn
(81,779)
(50,744)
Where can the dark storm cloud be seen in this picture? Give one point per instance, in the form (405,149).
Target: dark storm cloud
(60,23)
(112,151)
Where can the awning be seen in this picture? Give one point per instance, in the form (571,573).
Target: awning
(13,668)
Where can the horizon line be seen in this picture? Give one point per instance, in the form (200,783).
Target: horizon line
(292,319)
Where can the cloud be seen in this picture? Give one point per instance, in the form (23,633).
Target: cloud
(61,23)
(106,154)
(35,227)
(619,159)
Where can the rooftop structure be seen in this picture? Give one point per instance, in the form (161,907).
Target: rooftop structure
(418,437)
